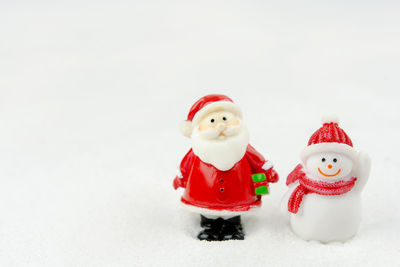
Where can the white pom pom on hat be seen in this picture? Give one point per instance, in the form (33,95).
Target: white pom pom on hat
(186,128)
(205,105)
(329,119)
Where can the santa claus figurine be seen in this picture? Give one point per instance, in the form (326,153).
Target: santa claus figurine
(222,175)
(324,196)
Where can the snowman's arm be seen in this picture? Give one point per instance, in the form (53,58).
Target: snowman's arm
(362,170)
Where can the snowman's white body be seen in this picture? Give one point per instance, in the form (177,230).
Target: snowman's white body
(330,218)
(327,218)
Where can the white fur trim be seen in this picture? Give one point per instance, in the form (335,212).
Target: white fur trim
(224,105)
(267,165)
(211,212)
(329,119)
(329,147)
(186,128)
(213,217)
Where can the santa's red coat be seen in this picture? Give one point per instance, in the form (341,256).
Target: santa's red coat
(208,188)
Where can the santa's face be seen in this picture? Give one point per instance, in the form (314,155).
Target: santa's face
(329,166)
(220,139)
(219,125)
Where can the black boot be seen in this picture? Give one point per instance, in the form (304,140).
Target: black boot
(220,229)
(212,229)
(232,229)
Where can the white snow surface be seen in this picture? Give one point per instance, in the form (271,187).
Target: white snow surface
(93,92)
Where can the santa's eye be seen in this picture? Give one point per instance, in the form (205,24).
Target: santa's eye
(335,160)
(323,159)
(224,118)
(212,120)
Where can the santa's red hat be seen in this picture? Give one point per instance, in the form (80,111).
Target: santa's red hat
(329,138)
(204,106)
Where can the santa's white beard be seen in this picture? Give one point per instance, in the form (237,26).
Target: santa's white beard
(223,154)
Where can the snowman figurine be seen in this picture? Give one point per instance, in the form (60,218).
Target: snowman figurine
(324,196)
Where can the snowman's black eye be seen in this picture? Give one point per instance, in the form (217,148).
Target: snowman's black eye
(224,118)
(212,120)
(334,160)
(323,159)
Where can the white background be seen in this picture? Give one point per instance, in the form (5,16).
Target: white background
(92,94)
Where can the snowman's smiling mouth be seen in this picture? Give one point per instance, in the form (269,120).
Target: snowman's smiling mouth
(329,175)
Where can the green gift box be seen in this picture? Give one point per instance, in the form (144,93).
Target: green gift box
(258,177)
(262,190)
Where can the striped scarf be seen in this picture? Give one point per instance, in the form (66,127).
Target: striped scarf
(308,186)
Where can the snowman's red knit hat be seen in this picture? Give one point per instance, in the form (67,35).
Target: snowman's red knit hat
(329,138)
(205,105)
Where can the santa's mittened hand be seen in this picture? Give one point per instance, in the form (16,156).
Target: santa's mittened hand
(178,182)
(272,176)
(260,184)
